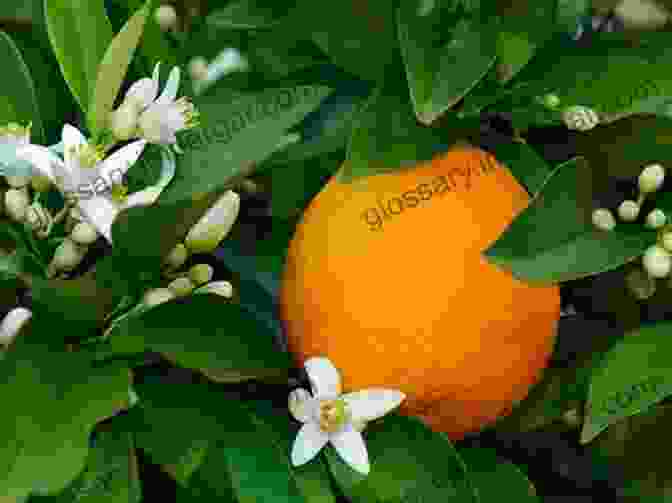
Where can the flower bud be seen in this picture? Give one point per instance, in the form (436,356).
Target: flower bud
(40,183)
(166,17)
(84,233)
(628,211)
(12,324)
(640,284)
(66,257)
(666,241)
(657,261)
(177,257)
(76,213)
(39,219)
(201,273)
(651,178)
(221,288)
(580,118)
(209,231)
(124,122)
(198,68)
(603,219)
(16,204)
(17,182)
(157,296)
(655,219)
(550,100)
(181,286)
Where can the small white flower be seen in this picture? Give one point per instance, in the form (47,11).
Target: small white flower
(628,211)
(157,296)
(182,286)
(603,219)
(201,273)
(166,17)
(221,288)
(580,118)
(666,241)
(330,417)
(12,324)
(655,219)
(214,225)
(651,178)
(657,261)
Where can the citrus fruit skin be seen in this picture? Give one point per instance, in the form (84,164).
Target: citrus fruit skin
(385,277)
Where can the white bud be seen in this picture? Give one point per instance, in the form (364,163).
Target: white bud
(177,257)
(221,288)
(181,286)
(657,261)
(16,204)
(67,256)
(580,118)
(201,273)
(550,100)
(76,214)
(628,211)
(166,17)
(198,68)
(641,284)
(157,296)
(655,219)
(651,178)
(84,233)
(124,121)
(666,241)
(40,183)
(12,324)
(209,231)
(641,14)
(603,219)
(17,181)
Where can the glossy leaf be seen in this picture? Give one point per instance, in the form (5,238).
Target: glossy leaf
(56,398)
(80,33)
(552,240)
(445,54)
(497,479)
(112,69)
(409,462)
(247,14)
(205,331)
(18,102)
(633,375)
(529,168)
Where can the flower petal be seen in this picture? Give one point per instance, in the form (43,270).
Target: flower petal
(144,91)
(100,211)
(325,381)
(119,162)
(42,159)
(170,90)
(350,446)
(308,443)
(370,404)
(301,405)
(71,137)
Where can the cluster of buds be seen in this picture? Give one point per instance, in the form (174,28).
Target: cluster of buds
(580,118)
(73,248)
(657,259)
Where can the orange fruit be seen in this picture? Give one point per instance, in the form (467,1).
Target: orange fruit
(385,277)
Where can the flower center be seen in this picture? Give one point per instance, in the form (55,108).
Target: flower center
(88,155)
(333,415)
(119,192)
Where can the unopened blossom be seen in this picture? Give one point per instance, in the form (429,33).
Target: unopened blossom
(181,286)
(177,257)
(67,256)
(328,416)
(201,273)
(12,324)
(16,204)
(628,211)
(651,178)
(580,118)
(166,17)
(221,288)
(655,219)
(214,225)
(157,296)
(84,233)
(657,261)
(603,219)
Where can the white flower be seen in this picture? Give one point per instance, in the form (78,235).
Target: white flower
(655,219)
(628,211)
(214,225)
(651,178)
(580,118)
(158,119)
(657,261)
(12,323)
(603,219)
(330,417)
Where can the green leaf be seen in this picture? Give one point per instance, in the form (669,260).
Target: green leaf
(409,462)
(569,12)
(19,11)
(248,14)
(205,331)
(445,56)
(108,477)
(497,479)
(80,33)
(633,375)
(368,45)
(18,102)
(528,167)
(55,399)
(233,137)
(552,240)
(113,68)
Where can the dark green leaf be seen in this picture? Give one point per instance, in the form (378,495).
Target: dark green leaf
(528,167)
(248,14)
